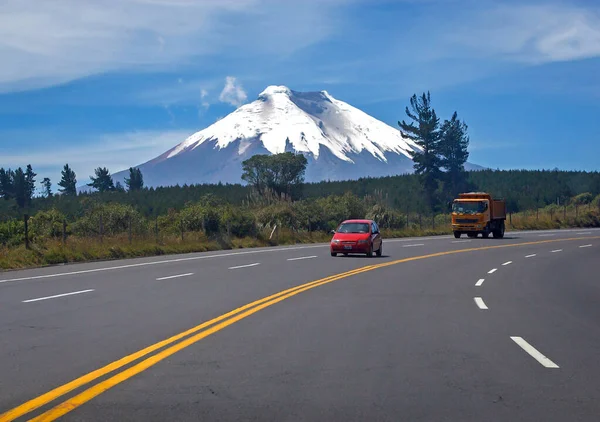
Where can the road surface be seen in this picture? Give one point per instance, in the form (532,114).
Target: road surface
(438,329)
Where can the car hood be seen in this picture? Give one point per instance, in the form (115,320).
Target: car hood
(351,236)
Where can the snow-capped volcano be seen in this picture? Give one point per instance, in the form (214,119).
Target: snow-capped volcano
(340,142)
(308,121)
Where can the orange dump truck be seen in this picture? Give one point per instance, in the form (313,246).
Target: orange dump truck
(478,212)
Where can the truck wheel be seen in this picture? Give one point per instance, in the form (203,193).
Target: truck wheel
(457,235)
(472,235)
(485,234)
(499,232)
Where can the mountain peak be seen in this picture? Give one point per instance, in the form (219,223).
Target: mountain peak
(339,141)
(275,89)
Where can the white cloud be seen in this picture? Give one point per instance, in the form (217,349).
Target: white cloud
(43,43)
(233,93)
(530,34)
(203,95)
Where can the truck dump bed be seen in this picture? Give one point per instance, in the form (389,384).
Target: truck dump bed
(498,209)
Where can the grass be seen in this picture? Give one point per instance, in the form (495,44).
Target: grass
(52,251)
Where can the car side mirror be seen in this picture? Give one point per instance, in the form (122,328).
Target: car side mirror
(332,231)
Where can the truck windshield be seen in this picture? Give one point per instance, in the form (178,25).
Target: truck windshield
(468,207)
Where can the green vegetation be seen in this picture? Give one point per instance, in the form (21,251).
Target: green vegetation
(115,230)
(276,207)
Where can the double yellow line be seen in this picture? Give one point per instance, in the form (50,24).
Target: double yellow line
(190,337)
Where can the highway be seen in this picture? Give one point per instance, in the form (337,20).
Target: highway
(437,329)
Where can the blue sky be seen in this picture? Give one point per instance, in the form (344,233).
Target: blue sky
(117,82)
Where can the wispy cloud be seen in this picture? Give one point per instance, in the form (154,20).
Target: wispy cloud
(117,151)
(203,95)
(523,33)
(46,43)
(233,93)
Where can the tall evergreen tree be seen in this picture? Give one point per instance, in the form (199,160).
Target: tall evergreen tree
(135,181)
(68,181)
(424,130)
(47,187)
(454,146)
(119,187)
(21,188)
(103,181)
(6,184)
(29,182)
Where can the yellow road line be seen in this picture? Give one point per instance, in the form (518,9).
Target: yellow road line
(234,316)
(98,389)
(64,389)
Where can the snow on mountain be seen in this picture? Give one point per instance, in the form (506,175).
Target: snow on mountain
(308,121)
(340,142)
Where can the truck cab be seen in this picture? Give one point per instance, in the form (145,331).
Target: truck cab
(478,212)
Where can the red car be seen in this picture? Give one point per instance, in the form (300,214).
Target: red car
(357,236)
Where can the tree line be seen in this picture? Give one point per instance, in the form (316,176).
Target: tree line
(19,185)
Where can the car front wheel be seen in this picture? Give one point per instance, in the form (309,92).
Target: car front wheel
(380,250)
(370,251)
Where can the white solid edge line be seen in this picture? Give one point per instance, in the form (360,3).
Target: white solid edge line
(534,352)
(547,235)
(55,296)
(480,303)
(244,266)
(462,241)
(480,282)
(585,233)
(167,261)
(557,250)
(492,271)
(531,256)
(585,246)
(302,257)
(507,263)
(174,276)
(416,244)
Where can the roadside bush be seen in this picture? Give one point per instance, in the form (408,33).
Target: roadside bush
(12,232)
(115,220)
(46,224)
(239,223)
(583,198)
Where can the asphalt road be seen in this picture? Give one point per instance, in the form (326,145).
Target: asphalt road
(435,330)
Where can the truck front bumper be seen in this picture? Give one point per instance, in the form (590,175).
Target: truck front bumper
(467,227)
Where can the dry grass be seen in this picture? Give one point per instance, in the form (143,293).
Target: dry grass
(77,249)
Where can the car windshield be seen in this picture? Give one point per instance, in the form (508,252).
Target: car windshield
(468,207)
(354,228)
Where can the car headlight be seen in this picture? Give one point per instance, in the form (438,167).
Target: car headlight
(335,241)
(362,242)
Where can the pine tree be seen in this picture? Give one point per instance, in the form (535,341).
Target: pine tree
(103,181)
(6,184)
(68,182)
(29,183)
(424,131)
(20,188)
(454,146)
(119,187)
(135,181)
(47,187)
